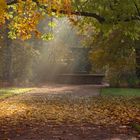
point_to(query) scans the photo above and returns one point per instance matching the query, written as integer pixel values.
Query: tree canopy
(110, 26)
(23, 16)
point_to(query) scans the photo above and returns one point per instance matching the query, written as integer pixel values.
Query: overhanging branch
(10, 2)
(85, 14)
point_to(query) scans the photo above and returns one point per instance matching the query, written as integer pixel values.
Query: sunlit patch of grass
(129, 92)
(8, 92)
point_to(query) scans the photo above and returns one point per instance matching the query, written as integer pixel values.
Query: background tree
(116, 55)
(113, 33)
(104, 16)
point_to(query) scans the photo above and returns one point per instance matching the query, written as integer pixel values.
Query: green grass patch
(136, 127)
(120, 92)
(8, 92)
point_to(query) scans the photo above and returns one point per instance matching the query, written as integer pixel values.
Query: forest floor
(68, 112)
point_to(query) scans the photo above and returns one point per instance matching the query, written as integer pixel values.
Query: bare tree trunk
(7, 72)
(138, 62)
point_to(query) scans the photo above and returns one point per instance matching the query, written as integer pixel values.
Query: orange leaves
(57, 6)
(26, 16)
(41, 109)
(67, 6)
(24, 24)
(102, 110)
(3, 7)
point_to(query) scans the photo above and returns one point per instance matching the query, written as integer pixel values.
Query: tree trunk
(7, 72)
(138, 62)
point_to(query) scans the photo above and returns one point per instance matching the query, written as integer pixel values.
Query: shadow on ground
(66, 112)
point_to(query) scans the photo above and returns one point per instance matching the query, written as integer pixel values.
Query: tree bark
(138, 62)
(7, 70)
(98, 17)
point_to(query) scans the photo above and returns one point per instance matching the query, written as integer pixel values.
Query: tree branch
(136, 7)
(10, 2)
(86, 14)
(78, 13)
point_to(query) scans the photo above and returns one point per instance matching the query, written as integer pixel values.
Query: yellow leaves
(28, 15)
(57, 6)
(8, 109)
(34, 111)
(104, 110)
(3, 7)
(24, 24)
(3, 4)
(24, 16)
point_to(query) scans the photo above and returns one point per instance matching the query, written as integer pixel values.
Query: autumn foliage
(24, 16)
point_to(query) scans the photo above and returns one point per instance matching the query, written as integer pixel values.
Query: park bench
(96, 79)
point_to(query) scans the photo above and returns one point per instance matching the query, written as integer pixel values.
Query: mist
(56, 56)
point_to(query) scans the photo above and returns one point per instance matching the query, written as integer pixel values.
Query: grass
(120, 92)
(136, 127)
(8, 92)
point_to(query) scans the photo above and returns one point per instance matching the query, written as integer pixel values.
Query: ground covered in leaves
(50, 116)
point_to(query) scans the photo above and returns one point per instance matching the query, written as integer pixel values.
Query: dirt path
(18, 127)
(76, 132)
(59, 90)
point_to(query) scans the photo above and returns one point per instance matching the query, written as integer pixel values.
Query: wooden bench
(80, 78)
